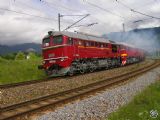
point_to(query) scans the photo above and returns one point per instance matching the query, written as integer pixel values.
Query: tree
(20, 56)
(10, 56)
(2, 59)
(32, 56)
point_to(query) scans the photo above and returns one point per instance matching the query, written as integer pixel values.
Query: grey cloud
(17, 28)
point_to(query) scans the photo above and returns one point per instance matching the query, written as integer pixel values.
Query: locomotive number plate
(52, 61)
(51, 55)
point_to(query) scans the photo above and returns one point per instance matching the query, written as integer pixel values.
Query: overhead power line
(144, 14)
(58, 5)
(108, 11)
(133, 10)
(9, 10)
(22, 13)
(88, 25)
(141, 20)
(72, 15)
(76, 22)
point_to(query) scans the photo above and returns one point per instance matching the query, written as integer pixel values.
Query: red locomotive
(68, 53)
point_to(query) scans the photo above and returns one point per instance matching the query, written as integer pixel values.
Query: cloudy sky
(23, 21)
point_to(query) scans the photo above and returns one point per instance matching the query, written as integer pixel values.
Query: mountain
(4, 49)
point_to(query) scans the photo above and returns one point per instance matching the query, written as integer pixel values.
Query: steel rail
(16, 110)
(30, 82)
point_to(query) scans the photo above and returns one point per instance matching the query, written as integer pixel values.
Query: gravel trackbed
(102, 104)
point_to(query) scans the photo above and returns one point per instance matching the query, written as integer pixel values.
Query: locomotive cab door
(75, 48)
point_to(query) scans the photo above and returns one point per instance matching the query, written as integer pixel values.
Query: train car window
(119, 47)
(96, 44)
(87, 44)
(70, 41)
(114, 48)
(75, 42)
(101, 45)
(106, 45)
(92, 43)
(83, 42)
(80, 42)
(57, 40)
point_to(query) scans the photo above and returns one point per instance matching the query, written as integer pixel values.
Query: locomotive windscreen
(57, 40)
(46, 41)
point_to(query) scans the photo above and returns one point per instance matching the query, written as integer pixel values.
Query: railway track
(16, 110)
(23, 83)
(11, 85)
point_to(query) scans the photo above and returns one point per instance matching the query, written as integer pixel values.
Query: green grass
(12, 71)
(140, 107)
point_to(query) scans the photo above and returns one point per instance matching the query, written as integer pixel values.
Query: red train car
(68, 53)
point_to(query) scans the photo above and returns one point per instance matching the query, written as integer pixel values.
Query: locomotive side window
(114, 48)
(97, 44)
(92, 43)
(101, 45)
(106, 45)
(75, 42)
(81, 43)
(57, 40)
(87, 43)
(70, 41)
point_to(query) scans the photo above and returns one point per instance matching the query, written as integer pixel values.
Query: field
(12, 71)
(145, 106)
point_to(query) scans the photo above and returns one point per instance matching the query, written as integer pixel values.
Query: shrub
(2, 59)
(10, 56)
(32, 56)
(20, 56)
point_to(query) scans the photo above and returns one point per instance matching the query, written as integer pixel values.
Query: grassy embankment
(12, 71)
(142, 106)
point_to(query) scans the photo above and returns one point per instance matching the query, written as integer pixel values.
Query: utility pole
(123, 28)
(123, 33)
(59, 22)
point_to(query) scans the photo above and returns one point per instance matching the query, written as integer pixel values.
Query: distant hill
(147, 38)
(4, 49)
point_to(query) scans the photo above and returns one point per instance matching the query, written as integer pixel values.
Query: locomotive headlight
(62, 59)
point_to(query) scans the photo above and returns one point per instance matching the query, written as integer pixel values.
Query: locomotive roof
(79, 36)
(126, 44)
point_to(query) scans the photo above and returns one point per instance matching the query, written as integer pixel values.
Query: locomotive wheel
(71, 71)
(92, 67)
(107, 67)
(83, 67)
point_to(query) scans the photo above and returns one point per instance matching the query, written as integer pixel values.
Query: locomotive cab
(56, 53)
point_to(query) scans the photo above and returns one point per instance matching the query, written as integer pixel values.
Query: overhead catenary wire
(144, 14)
(87, 25)
(76, 22)
(50, 4)
(36, 16)
(58, 5)
(141, 20)
(9, 10)
(108, 11)
(133, 10)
